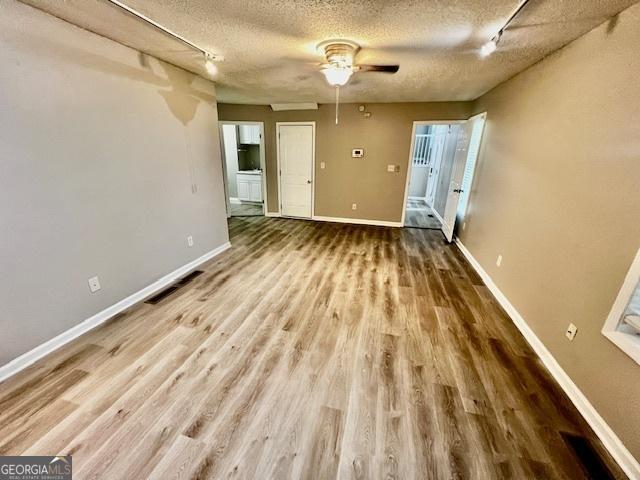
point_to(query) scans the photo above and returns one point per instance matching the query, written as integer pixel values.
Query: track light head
(490, 47)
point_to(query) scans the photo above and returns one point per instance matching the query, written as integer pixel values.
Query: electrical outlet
(571, 332)
(499, 260)
(354, 206)
(190, 241)
(322, 165)
(94, 284)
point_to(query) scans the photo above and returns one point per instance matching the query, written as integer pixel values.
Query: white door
(469, 169)
(457, 172)
(295, 154)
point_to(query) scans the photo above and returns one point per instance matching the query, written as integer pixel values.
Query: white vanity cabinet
(249, 186)
(249, 134)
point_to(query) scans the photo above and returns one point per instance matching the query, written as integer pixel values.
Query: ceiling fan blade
(378, 68)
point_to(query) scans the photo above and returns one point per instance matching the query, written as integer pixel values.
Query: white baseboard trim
(604, 432)
(30, 357)
(235, 201)
(357, 221)
(272, 214)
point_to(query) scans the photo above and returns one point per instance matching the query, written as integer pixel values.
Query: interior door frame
(313, 163)
(416, 124)
(263, 163)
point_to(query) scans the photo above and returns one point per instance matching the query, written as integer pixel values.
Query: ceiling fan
(340, 55)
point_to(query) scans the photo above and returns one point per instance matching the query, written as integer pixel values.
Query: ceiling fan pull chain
(337, 101)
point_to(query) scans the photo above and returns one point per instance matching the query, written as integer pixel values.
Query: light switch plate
(322, 165)
(94, 284)
(391, 168)
(190, 241)
(571, 332)
(499, 260)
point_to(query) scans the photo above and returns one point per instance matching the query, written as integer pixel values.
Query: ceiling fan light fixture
(337, 76)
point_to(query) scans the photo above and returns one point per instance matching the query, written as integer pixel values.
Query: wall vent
(590, 461)
(158, 297)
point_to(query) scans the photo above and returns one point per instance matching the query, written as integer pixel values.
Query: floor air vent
(589, 459)
(158, 297)
(186, 279)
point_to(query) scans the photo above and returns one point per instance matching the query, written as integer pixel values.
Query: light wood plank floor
(308, 350)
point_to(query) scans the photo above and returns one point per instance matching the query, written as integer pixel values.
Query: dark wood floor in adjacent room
(308, 350)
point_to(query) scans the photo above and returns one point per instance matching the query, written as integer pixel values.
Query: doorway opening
(433, 148)
(440, 176)
(243, 164)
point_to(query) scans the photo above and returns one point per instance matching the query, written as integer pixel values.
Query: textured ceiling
(269, 45)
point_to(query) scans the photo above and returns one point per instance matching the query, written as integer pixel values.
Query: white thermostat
(357, 152)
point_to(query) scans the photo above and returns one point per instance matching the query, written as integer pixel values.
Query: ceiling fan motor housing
(340, 52)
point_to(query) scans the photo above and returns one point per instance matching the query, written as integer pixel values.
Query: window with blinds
(623, 323)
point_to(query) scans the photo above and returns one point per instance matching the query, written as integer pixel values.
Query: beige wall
(556, 193)
(385, 137)
(99, 148)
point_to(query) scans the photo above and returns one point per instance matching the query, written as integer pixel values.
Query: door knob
(308, 181)
(457, 190)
